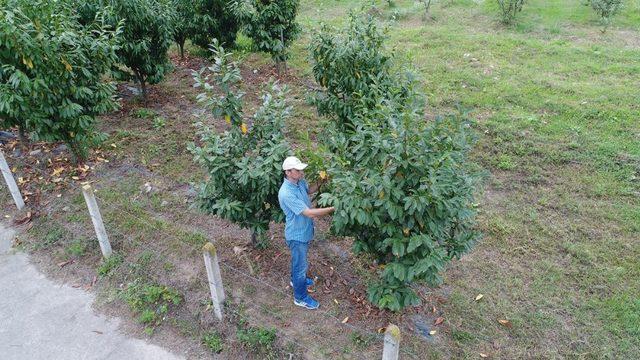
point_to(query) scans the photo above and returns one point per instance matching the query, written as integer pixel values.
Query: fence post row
(215, 278)
(11, 183)
(391, 343)
(96, 218)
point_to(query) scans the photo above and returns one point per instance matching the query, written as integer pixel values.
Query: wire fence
(130, 216)
(133, 218)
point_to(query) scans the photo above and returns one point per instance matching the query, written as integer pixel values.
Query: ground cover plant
(555, 273)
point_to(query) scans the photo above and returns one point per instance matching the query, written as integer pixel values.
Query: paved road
(40, 319)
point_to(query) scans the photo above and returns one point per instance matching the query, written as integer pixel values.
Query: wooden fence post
(11, 183)
(96, 218)
(391, 343)
(215, 278)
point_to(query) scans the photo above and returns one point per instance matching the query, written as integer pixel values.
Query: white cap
(293, 162)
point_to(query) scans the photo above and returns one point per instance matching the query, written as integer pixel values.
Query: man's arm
(315, 213)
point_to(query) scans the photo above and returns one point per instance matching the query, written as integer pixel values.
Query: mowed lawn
(557, 105)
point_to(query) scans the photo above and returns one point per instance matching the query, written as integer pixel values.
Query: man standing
(298, 231)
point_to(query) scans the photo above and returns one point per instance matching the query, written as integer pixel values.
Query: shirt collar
(290, 183)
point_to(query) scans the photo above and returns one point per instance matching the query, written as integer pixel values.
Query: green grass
(257, 339)
(213, 341)
(110, 264)
(150, 301)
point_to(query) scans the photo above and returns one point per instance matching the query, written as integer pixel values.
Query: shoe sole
(305, 305)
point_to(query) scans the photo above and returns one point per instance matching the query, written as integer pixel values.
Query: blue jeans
(299, 267)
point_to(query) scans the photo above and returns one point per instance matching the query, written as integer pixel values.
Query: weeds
(213, 341)
(109, 264)
(257, 339)
(151, 301)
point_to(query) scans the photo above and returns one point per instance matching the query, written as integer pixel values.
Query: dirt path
(41, 319)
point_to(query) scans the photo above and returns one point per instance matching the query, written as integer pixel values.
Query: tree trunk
(24, 140)
(181, 47)
(254, 238)
(78, 155)
(143, 87)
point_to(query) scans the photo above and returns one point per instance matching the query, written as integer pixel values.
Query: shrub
(243, 164)
(183, 24)
(353, 70)
(214, 20)
(147, 36)
(405, 194)
(402, 187)
(509, 9)
(606, 9)
(271, 25)
(51, 77)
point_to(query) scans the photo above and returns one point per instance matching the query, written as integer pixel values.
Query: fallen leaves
(345, 320)
(57, 171)
(23, 219)
(438, 321)
(432, 332)
(483, 355)
(478, 297)
(505, 323)
(65, 263)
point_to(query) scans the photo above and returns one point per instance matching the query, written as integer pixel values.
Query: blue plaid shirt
(294, 199)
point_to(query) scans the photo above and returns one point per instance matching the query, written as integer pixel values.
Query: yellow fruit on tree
(244, 128)
(227, 118)
(323, 174)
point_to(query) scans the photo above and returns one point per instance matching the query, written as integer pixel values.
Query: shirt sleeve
(294, 204)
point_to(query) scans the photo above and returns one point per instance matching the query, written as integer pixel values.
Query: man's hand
(315, 213)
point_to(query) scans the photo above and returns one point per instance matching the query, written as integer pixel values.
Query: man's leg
(299, 268)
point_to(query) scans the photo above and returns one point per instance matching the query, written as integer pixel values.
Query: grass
(213, 341)
(110, 264)
(150, 301)
(257, 339)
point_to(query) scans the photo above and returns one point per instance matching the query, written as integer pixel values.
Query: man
(298, 231)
